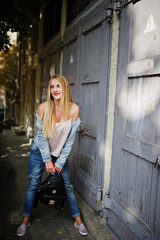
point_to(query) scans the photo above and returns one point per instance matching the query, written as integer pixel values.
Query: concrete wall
(111, 101)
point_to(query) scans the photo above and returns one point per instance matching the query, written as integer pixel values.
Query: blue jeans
(36, 167)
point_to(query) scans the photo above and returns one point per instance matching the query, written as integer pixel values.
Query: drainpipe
(111, 100)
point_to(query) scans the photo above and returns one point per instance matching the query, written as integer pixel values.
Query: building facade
(109, 51)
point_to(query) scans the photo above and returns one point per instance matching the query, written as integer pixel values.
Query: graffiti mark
(71, 59)
(141, 207)
(150, 25)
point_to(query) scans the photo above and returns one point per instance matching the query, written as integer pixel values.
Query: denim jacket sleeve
(41, 142)
(68, 145)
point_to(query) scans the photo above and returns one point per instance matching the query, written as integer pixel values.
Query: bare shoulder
(41, 108)
(74, 108)
(74, 111)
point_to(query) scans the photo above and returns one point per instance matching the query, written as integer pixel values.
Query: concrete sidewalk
(46, 221)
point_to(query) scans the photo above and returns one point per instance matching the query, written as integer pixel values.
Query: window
(74, 7)
(52, 20)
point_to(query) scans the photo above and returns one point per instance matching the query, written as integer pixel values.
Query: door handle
(157, 163)
(80, 129)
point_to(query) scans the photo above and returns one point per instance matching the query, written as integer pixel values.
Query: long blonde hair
(49, 115)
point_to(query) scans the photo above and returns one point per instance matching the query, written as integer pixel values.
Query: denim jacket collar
(43, 143)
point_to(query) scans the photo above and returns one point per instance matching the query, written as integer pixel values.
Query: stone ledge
(95, 224)
(18, 130)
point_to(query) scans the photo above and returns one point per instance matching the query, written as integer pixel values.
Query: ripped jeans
(36, 167)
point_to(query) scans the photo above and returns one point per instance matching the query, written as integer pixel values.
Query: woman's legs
(70, 197)
(71, 200)
(36, 166)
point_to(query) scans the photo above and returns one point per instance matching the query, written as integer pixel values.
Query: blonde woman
(57, 122)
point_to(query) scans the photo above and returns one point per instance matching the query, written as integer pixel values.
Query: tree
(8, 68)
(17, 16)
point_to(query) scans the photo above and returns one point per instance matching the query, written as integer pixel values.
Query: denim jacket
(43, 143)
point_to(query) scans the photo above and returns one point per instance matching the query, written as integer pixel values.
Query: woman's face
(55, 89)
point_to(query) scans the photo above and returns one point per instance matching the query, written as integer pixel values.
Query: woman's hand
(50, 167)
(58, 169)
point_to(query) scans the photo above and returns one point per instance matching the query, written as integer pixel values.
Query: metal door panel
(135, 185)
(71, 70)
(145, 29)
(94, 18)
(94, 46)
(50, 57)
(54, 63)
(88, 41)
(134, 188)
(121, 229)
(54, 56)
(141, 114)
(90, 93)
(92, 60)
(157, 219)
(86, 180)
(144, 67)
(70, 58)
(141, 148)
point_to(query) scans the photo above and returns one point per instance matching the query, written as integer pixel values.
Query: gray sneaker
(22, 229)
(81, 228)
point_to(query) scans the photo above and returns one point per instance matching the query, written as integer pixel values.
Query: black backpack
(51, 192)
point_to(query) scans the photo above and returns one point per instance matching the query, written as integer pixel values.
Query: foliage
(17, 16)
(8, 68)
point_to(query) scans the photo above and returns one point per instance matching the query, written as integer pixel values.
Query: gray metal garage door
(86, 54)
(133, 202)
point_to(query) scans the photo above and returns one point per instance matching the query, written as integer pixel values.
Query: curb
(19, 130)
(95, 224)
